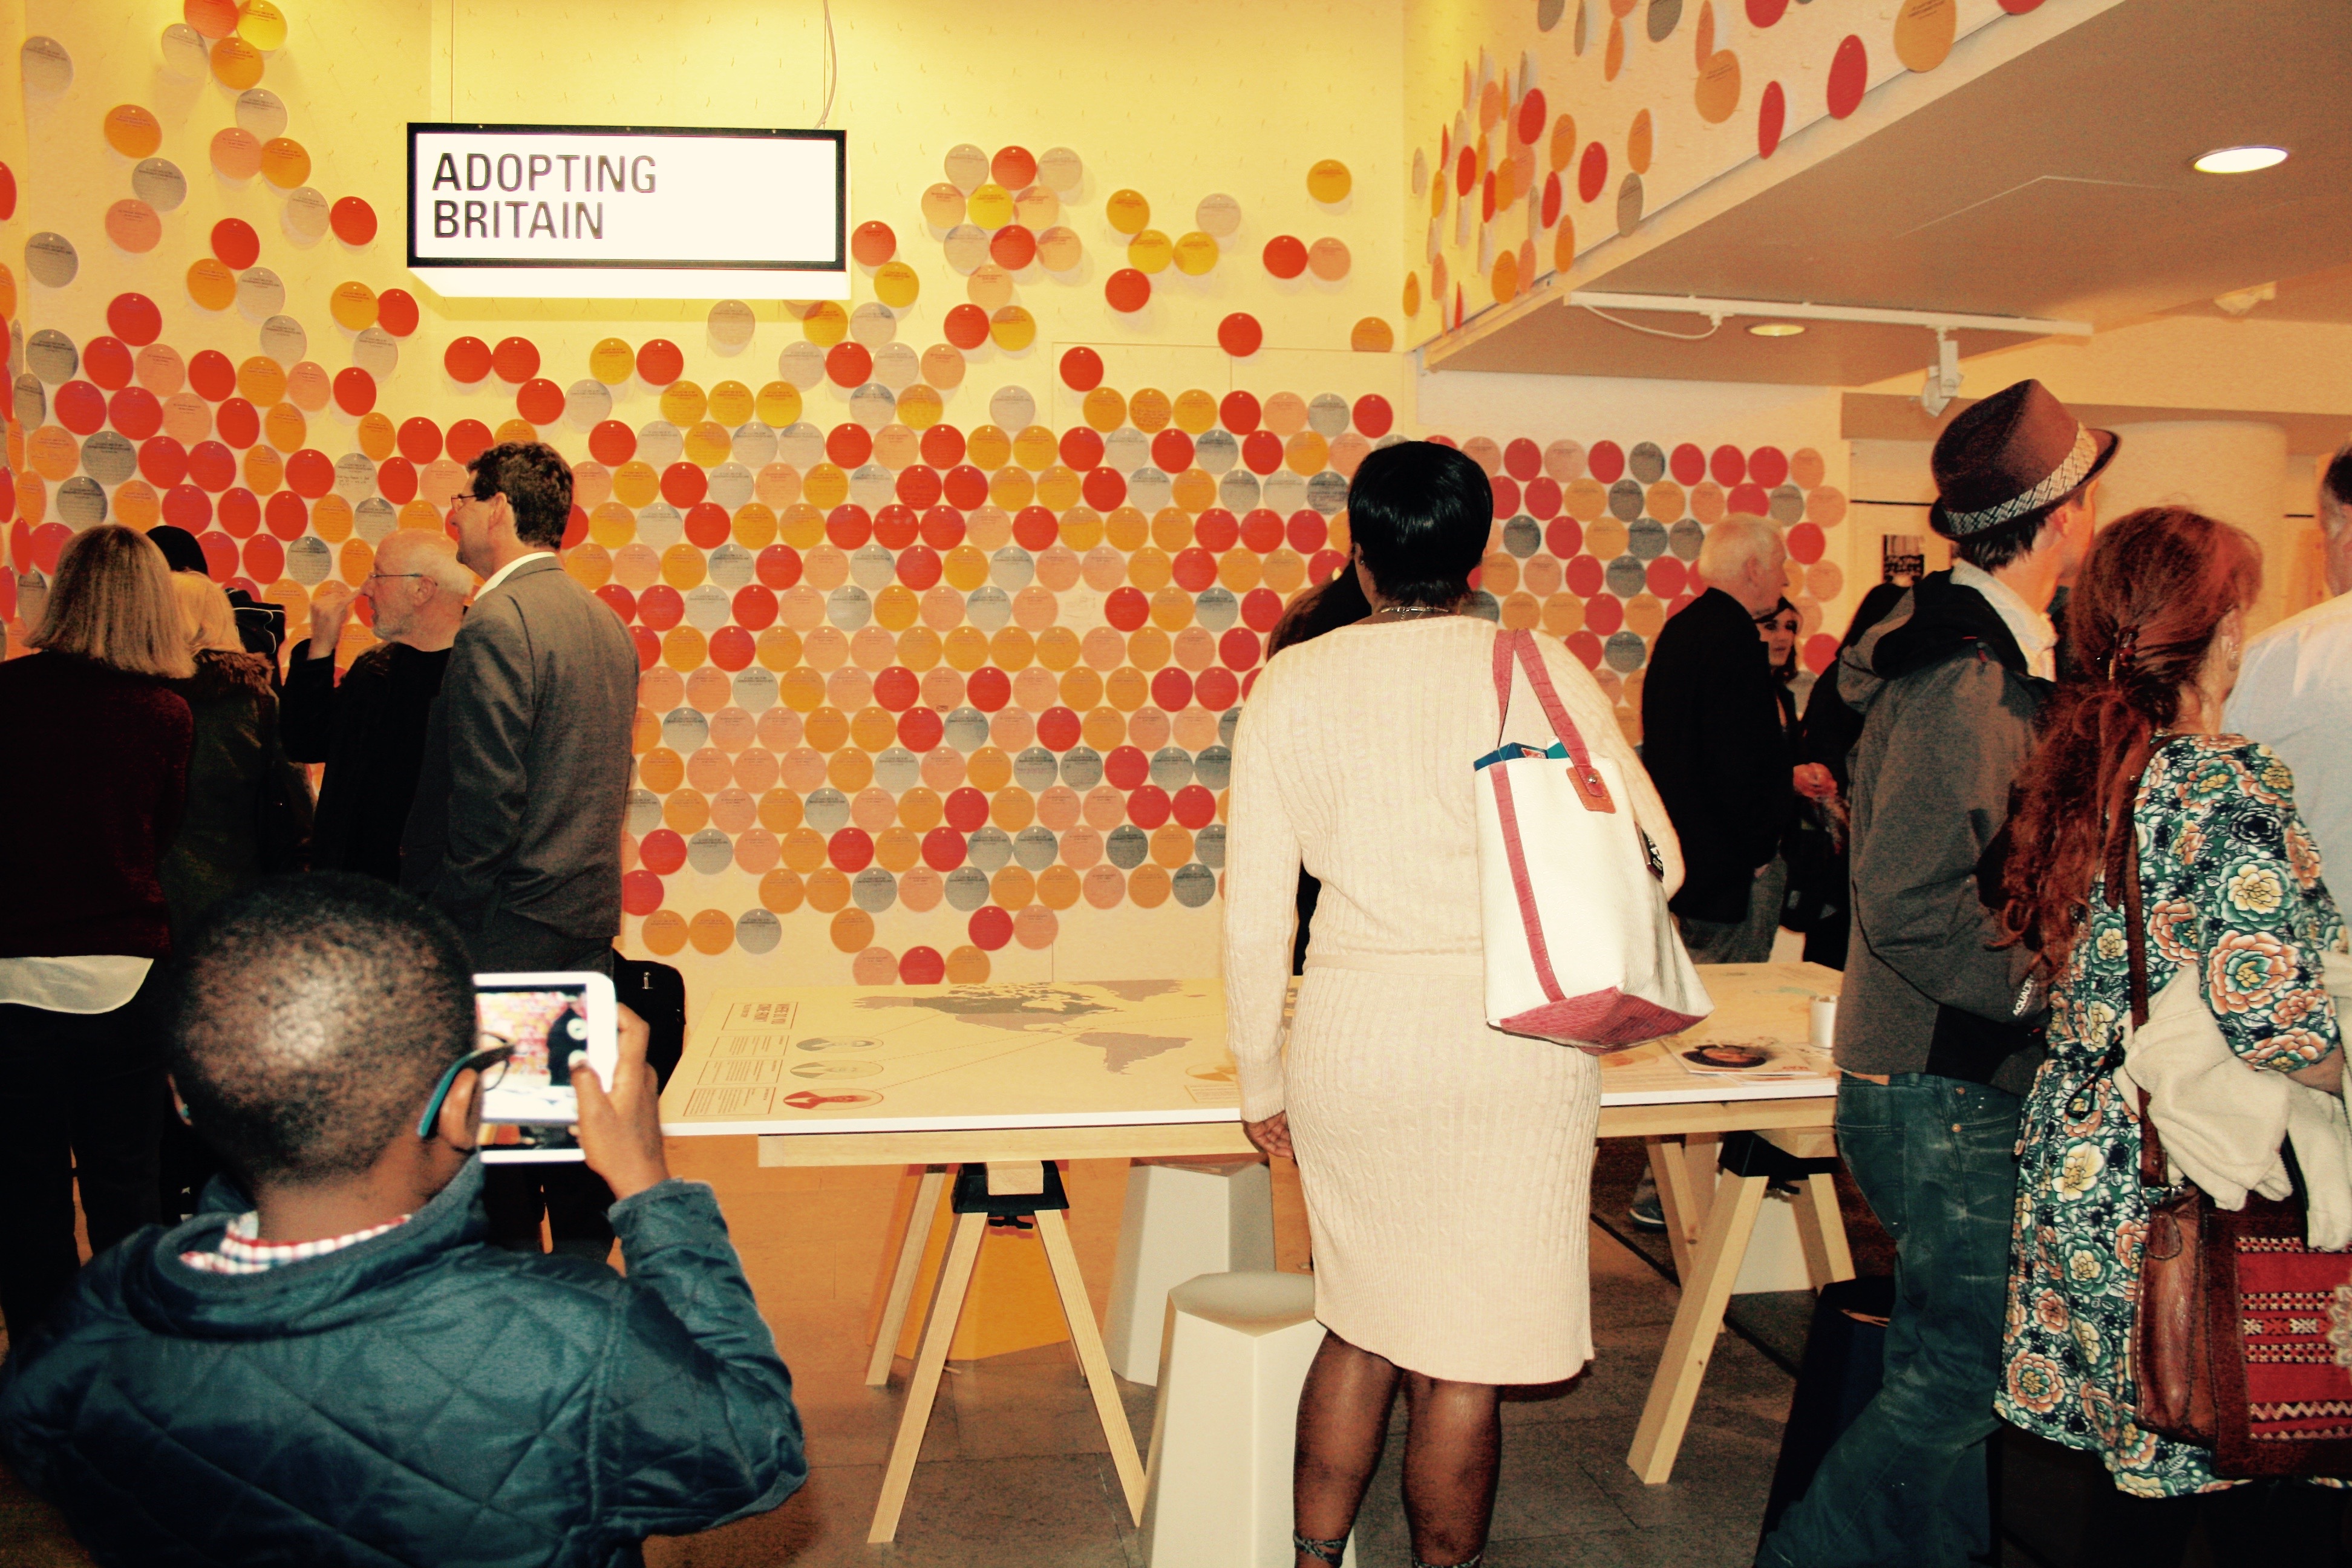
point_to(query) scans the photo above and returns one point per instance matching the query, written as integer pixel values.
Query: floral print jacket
(2231, 889)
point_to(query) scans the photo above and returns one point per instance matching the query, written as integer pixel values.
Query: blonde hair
(206, 612)
(112, 603)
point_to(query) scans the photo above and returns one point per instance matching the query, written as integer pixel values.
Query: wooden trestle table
(1012, 1076)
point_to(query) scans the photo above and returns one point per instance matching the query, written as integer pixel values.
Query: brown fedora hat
(2016, 453)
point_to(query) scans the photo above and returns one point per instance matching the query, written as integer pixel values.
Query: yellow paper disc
(1329, 182)
(261, 381)
(1127, 212)
(352, 304)
(990, 206)
(1196, 253)
(920, 407)
(262, 25)
(237, 64)
(1563, 143)
(1105, 409)
(1148, 410)
(132, 131)
(896, 285)
(1923, 33)
(1195, 411)
(683, 402)
(826, 323)
(285, 163)
(778, 404)
(376, 434)
(612, 361)
(1014, 328)
(1149, 251)
(731, 403)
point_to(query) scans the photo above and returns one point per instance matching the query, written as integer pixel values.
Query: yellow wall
(1177, 103)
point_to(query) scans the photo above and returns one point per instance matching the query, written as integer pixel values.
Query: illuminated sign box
(628, 212)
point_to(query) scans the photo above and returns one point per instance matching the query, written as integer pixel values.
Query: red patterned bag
(2243, 1340)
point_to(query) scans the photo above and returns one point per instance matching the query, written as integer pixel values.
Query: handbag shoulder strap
(1589, 785)
(2152, 1163)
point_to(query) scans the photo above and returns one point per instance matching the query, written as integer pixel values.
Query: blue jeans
(1907, 1483)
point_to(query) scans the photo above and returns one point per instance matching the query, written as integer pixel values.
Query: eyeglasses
(389, 577)
(491, 1063)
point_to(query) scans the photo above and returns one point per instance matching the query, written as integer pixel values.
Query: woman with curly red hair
(2131, 774)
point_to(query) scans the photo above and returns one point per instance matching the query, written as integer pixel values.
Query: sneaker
(1645, 1211)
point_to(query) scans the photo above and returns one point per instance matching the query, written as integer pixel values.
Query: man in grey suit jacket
(515, 831)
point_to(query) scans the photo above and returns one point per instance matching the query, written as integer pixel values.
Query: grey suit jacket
(526, 777)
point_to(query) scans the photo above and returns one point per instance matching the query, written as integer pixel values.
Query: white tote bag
(1581, 950)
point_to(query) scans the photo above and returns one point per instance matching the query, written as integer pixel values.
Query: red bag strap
(1590, 784)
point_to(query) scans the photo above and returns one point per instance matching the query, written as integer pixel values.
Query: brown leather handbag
(2242, 1340)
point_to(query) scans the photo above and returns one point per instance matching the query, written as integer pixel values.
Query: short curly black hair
(310, 1018)
(537, 483)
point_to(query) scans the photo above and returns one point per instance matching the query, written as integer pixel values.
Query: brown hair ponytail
(2153, 591)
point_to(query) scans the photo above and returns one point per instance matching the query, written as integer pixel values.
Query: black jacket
(248, 807)
(368, 729)
(1712, 740)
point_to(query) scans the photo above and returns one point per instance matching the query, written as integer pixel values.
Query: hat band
(2065, 477)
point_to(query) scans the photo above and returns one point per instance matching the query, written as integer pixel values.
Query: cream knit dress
(1446, 1165)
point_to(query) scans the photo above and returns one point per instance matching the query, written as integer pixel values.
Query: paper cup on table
(1823, 1033)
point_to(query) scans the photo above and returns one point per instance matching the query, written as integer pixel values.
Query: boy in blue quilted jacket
(338, 1369)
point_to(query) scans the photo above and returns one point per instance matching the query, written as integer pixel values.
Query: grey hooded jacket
(1948, 719)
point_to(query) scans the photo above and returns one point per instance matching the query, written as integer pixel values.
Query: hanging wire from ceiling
(831, 75)
(1714, 325)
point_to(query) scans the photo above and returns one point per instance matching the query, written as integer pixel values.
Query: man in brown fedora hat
(1938, 1031)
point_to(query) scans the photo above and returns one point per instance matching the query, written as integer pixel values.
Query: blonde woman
(91, 798)
(249, 808)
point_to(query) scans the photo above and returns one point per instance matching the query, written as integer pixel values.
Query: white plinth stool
(1232, 1361)
(1183, 1218)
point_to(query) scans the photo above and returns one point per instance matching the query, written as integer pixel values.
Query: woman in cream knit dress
(1445, 1164)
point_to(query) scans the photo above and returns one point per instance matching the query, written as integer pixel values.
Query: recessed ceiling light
(2240, 160)
(1777, 329)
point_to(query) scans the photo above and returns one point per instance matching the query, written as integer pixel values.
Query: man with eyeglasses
(515, 831)
(369, 726)
(328, 1366)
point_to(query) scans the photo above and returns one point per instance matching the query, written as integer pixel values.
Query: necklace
(1413, 610)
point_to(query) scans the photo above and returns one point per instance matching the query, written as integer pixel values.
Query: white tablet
(528, 1104)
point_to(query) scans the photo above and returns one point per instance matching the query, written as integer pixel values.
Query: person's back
(1371, 729)
(2295, 686)
(113, 808)
(241, 788)
(516, 830)
(1711, 739)
(348, 1374)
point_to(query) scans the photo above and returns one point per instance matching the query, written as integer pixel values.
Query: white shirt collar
(2037, 639)
(503, 573)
